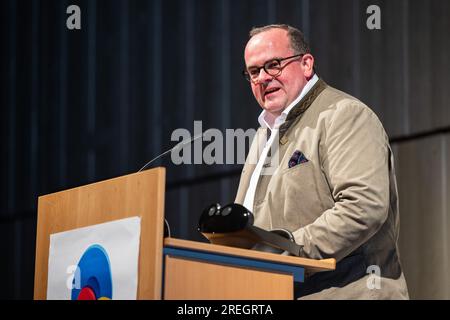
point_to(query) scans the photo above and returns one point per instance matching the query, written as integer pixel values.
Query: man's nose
(263, 77)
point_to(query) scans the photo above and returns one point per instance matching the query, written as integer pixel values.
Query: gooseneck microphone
(178, 146)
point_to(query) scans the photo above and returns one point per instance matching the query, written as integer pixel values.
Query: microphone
(178, 146)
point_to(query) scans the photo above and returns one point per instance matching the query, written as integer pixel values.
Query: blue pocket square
(297, 158)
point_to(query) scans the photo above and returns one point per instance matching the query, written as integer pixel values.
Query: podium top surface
(310, 264)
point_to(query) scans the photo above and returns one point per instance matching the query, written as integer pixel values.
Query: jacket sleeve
(355, 161)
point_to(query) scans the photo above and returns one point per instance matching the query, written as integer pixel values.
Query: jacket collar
(302, 106)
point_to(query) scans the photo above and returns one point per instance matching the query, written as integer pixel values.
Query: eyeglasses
(272, 67)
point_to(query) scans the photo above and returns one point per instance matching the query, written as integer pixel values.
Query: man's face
(274, 94)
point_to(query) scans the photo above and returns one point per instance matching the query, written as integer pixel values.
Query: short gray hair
(296, 37)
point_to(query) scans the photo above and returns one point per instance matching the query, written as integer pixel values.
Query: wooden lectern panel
(196, 270)
(139, 194)
(195, 280)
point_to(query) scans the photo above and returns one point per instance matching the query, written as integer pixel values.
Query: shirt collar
(282, 117)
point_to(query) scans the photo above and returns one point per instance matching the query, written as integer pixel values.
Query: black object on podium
(232, 225)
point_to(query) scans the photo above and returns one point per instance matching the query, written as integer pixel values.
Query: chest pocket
(299, 192)
(300, 178)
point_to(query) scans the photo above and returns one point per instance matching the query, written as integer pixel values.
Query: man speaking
(334, 184)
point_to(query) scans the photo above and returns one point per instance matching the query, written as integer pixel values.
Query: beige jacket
(341, 203)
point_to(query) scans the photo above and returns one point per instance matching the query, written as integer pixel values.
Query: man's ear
(308, 65)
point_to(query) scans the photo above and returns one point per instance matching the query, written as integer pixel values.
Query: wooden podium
(139, 194)
(167, 268)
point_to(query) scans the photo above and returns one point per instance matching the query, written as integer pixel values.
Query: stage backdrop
(79, 106)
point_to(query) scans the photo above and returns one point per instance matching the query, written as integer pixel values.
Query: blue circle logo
(94, 275)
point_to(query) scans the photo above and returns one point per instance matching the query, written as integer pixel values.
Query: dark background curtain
(79, 106)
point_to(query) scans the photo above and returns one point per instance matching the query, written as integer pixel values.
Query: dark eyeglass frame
(266, 66)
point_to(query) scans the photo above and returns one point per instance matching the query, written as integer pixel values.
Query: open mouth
(270, 91)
